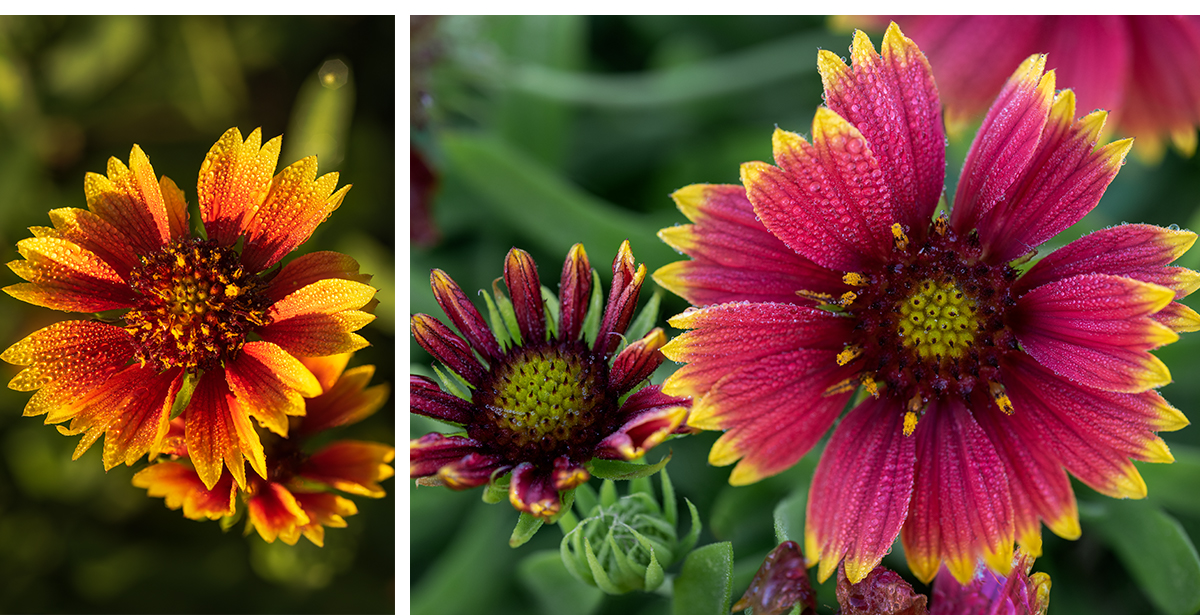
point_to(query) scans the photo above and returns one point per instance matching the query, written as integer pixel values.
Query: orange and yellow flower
(297, 495)
(201, 327)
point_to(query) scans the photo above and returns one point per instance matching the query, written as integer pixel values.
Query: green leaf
(527, 526)
(496, 491)
(1174, 486)
(646, 319)
(184, 396)
(1154, 548)
(705, 583)
(591, 320)
(613, 469)
(654, 572)
(598, 573)
(551, 304)
(689, 541)
(499, 329)
(789, 516)
(509, 316)
(553, 587)
(454, 384)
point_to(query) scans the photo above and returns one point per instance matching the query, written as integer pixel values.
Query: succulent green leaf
(527, 526)
(705, 583)
(613, 469)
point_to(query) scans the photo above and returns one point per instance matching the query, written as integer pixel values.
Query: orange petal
(181, 487)
(273, 511)
(352, 466)
(234, 180)
(296, 204)
(65, 276)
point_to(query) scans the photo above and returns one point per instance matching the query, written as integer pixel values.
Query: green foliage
(705, 584)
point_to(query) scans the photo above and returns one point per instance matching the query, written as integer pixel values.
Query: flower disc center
(938, 320)
(198, 305)
(546, 399)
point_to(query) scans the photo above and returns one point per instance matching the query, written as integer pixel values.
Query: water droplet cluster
(545, 401)
(198, 306)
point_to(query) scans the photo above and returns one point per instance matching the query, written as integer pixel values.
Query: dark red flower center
(198, 306)
(931, 323)
(544, 401)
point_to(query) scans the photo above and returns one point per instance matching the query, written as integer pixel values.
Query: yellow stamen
(847, 298)
(899, 237)
(855, 279)
(848, 354)
(910, 423)
(869, 384)
(941, 224)
(1002, 400)
(822, 298)
(844, 386)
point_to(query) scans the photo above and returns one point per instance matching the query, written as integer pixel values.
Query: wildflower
(540, 394)
(298, 495)
(187, 326)
(1144, 68)
(991, 594)
(780, 583)
(981, 382)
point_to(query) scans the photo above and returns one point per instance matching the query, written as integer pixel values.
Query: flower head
(298, 495)
(982, 381)
(200, 327)
(1144, 68)
(546, 389)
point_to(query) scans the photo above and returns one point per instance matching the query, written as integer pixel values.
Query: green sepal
(693, 534)
(184, 396)
(496, 491)
(591, 321)
(566, 500)
(646, 319)
(507, 314)
(642, 485)
(654, 575)
(552, 311)
(527, 526)
(453, 384)
(670, 508)
(231, 520)
(573, 538)
(614, 469)
(598, 573)
(498, 327)
(586, 500)
(608, 493)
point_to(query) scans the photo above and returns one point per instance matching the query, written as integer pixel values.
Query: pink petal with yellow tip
(723, 338)
(68, 351)
(735, 257)
(433, 450)
(636, 362)
(320, 319)
(1095, 330)
(860, 491)
(234, 180)
(1036, 394)
(1004, 146)
(961, 509)
(622, 299)
(574, 292)
(533, 492)
(828, 201)
(891, 98)
(773, 410)
(270, 385)
(650, 417)
(350, 400)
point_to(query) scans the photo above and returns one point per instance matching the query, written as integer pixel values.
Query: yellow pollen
(822, 298)
(938, 320)
(941, 225)
(1001, 397)
(899, 237)
(848, 354)
(847, 298)
(855, 279)
(232, 290)
(869, 384)
(910, 423)
(844, 386)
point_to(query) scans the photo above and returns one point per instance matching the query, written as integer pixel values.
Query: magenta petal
(622, 299)
(1037, 396)
(1138, 251)
(636, 362)
(431, 451)
(961, 508)
(735, 257)
(1095, 330)
(1164, 93)
(445, 346)
(574, 291)
(532, 491)
(521, 277)
(774, 410)
(428, 399)
(861, 490)
(1004, 145)
(464, 315)
(891, 98)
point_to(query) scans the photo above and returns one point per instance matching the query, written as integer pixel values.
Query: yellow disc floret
(938, 320)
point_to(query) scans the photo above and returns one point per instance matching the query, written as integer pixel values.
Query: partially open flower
(545, 390)
(623, 545)
(780, 583)
(299, 495)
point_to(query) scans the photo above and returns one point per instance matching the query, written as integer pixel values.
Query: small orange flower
(296, 495)
(204, 328)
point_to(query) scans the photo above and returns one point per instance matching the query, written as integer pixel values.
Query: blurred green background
(75, 91)
(546, 131)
